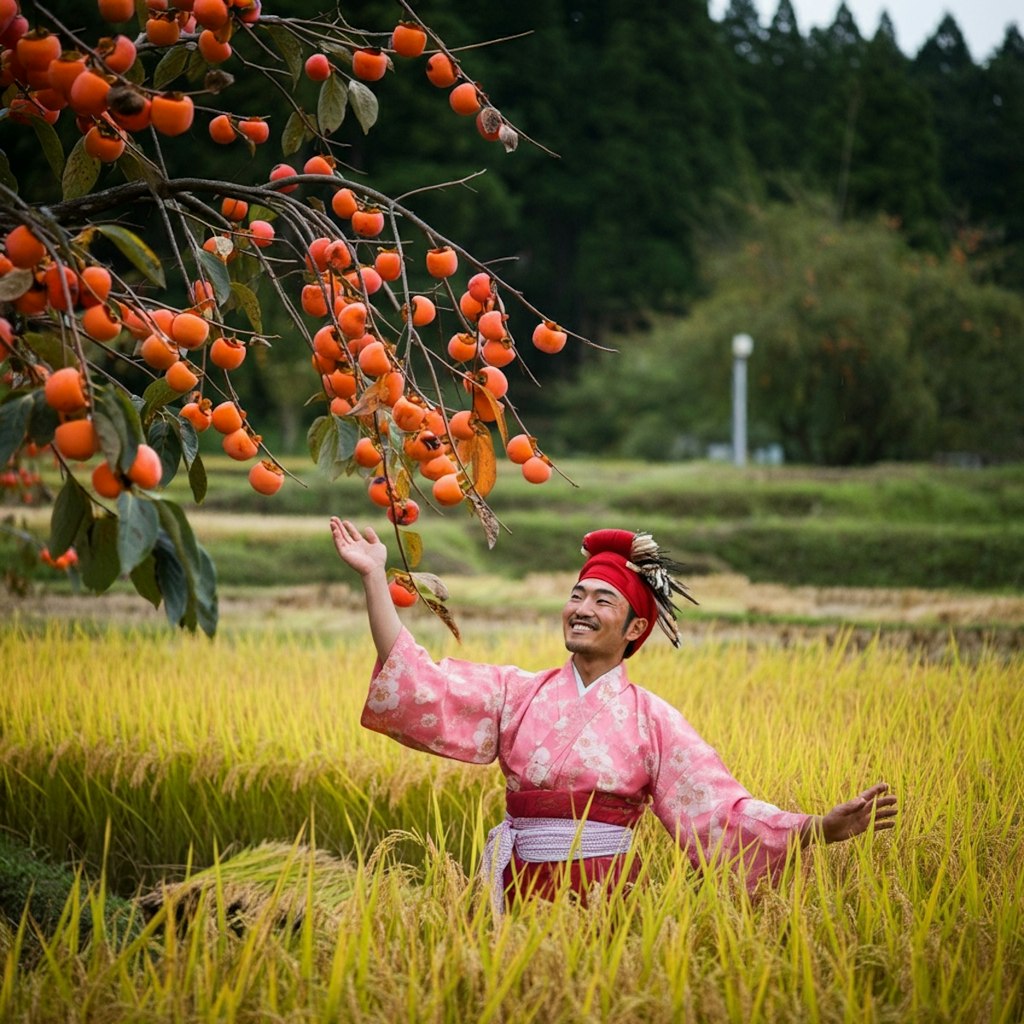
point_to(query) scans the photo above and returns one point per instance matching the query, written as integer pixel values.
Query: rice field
(280, 863)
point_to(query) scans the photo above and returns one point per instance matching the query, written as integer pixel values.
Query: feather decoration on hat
(657, 570)
(653, 565)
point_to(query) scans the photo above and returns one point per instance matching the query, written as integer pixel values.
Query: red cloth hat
(609, 552)
(644, 574)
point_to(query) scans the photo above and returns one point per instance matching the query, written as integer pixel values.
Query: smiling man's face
(596, 621)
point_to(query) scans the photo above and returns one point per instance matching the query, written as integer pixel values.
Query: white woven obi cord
(537, 840)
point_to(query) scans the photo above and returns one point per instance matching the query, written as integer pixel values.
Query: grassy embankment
(887, 526)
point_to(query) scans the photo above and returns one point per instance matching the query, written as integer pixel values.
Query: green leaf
(171, 65)
(15, 283)
(50, 348)
(113, 435)
(176, 525)
(98, 560)
(14, 417)
(348, 436)
(7, 177)
(342, 53)
(189, 442)
(137, 531)
(70, 511)
(49, 142)
(136, 74)
(331, 444)
(245, 297)
(217, 271)
(364, 103)
(318, 431)
(246, 268)
(43, 421)
(171, 579)
(132, 406)
(196, 67)
(164, 440)
(412, 545)
(190, 589)
(80, 172)
(257, 212)
(197, 479)
(131, 167)
(327, 449)
(143, 576)
(188, 620)
(207, 605)
(155, 397)
(119, 427)
(331, 105)
(288, 46)
(294, 134)
(135, 250)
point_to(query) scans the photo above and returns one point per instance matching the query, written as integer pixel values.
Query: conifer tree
(893, 161)
(946, 70)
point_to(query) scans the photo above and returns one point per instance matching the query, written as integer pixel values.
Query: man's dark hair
(630, 616)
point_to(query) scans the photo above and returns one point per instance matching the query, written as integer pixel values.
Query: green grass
(893, 525)
(888, 526)
(840, 552)
(911, 493)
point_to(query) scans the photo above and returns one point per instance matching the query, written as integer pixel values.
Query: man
(583, 750)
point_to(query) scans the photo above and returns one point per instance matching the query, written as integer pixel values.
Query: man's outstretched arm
(365, 553)
(875, 807)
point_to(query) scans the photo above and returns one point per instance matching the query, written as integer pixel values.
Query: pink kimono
(608, 754)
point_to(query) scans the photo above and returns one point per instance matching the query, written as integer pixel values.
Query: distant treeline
(669, 124)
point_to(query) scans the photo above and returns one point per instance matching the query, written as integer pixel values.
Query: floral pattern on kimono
(617, 740)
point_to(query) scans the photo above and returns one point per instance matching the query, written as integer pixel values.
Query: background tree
(864, 350)
(786, 86)
(837, 54)
(893, 164)
(999, 168)
(946, 70)
(744, 45)
(970, 338)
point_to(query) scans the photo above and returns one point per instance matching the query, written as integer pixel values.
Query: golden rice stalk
(262, 884)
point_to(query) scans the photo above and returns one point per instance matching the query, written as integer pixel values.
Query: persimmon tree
(391, 311)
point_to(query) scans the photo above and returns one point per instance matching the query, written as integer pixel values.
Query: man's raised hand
(364, 552)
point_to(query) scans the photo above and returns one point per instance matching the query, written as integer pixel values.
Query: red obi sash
(547, 878)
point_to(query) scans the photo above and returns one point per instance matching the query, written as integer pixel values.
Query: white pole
(742, 346)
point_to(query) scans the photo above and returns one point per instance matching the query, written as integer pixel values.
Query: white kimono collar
(582, 689)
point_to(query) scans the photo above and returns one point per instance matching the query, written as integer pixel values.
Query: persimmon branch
(271, 196)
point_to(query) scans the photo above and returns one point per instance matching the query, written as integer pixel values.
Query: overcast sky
(983, 22)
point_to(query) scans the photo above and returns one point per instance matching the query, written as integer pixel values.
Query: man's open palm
(363, 553)
(875, 806)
